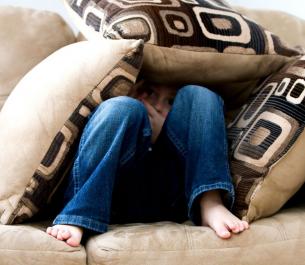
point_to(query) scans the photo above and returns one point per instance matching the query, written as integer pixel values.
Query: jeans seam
(76, 175)
(76, 169)
(225, 144)
(176, 142)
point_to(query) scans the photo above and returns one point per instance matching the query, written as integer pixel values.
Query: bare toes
(233, 226)
(49, 230)
(245, 224)
(65, 234)
(241, 227)
(73, 241)
(59, 235)
(222, 231)
(54, 232)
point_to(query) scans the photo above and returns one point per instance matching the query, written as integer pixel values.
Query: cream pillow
(44, 116)
(268, 144)
(27, 36)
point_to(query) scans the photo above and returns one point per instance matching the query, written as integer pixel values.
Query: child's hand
(155, 118)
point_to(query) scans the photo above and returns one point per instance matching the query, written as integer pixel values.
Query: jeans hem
(81, 221)
(203, 188)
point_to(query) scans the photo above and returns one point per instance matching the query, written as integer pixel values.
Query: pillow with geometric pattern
(43, 117)
(190, 41)
(268, 144)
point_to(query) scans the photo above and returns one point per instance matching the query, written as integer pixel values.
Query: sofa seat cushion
(29, 244)
(169, 243)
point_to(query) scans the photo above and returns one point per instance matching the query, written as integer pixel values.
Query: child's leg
(196, 126)
(116, 133)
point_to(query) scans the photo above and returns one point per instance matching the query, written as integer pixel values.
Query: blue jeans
(118, 176)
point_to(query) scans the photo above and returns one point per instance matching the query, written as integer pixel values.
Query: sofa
(275, 239)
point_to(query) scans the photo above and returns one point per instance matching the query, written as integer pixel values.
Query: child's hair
(143, 85)
(138, 88)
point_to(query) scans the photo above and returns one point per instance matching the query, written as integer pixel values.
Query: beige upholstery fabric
(203, 42)
(268, 143)
(27, 36)
(44, 116)
(29, 244)
(275, 240)
(289, 28)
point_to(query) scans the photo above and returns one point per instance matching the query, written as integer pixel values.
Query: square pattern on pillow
(268, 143)
(204, 42)
(45, 114)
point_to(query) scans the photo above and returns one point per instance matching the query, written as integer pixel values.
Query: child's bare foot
(69, 233)
(218, 217)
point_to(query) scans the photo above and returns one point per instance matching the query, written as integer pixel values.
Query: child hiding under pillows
(160, 155)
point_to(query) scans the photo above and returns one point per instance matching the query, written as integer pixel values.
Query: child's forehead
(163, 87)
(165, 90)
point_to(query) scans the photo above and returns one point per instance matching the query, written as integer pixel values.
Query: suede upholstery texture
(29, 244)
(275, 240)
(27, 36)
(278, 239)
(283, 29)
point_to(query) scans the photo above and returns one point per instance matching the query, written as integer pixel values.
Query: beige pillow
(203, 42)
(44, 116)
(27, 36)
(268, 144)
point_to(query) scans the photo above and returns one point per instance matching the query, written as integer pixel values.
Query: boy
(159, 157)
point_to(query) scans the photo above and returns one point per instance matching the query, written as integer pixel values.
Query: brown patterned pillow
(27, 36)
(42, 119)
(190, 41)
(268, 144)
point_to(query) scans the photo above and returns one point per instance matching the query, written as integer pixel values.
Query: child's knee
(122, 106)
(199, 93)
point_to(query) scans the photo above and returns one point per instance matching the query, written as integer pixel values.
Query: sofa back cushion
(43, 117)
(291, 29)
(203, 42)
(27, 37)
(268, 143)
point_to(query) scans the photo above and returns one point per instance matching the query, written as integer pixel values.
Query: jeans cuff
(194, 212)
(81, 221)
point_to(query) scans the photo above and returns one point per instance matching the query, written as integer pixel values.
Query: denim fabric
(118, 176)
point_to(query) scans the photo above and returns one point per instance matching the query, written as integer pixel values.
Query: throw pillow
(268, 143)
(204, 42)
(43, 117)
(27, 36)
